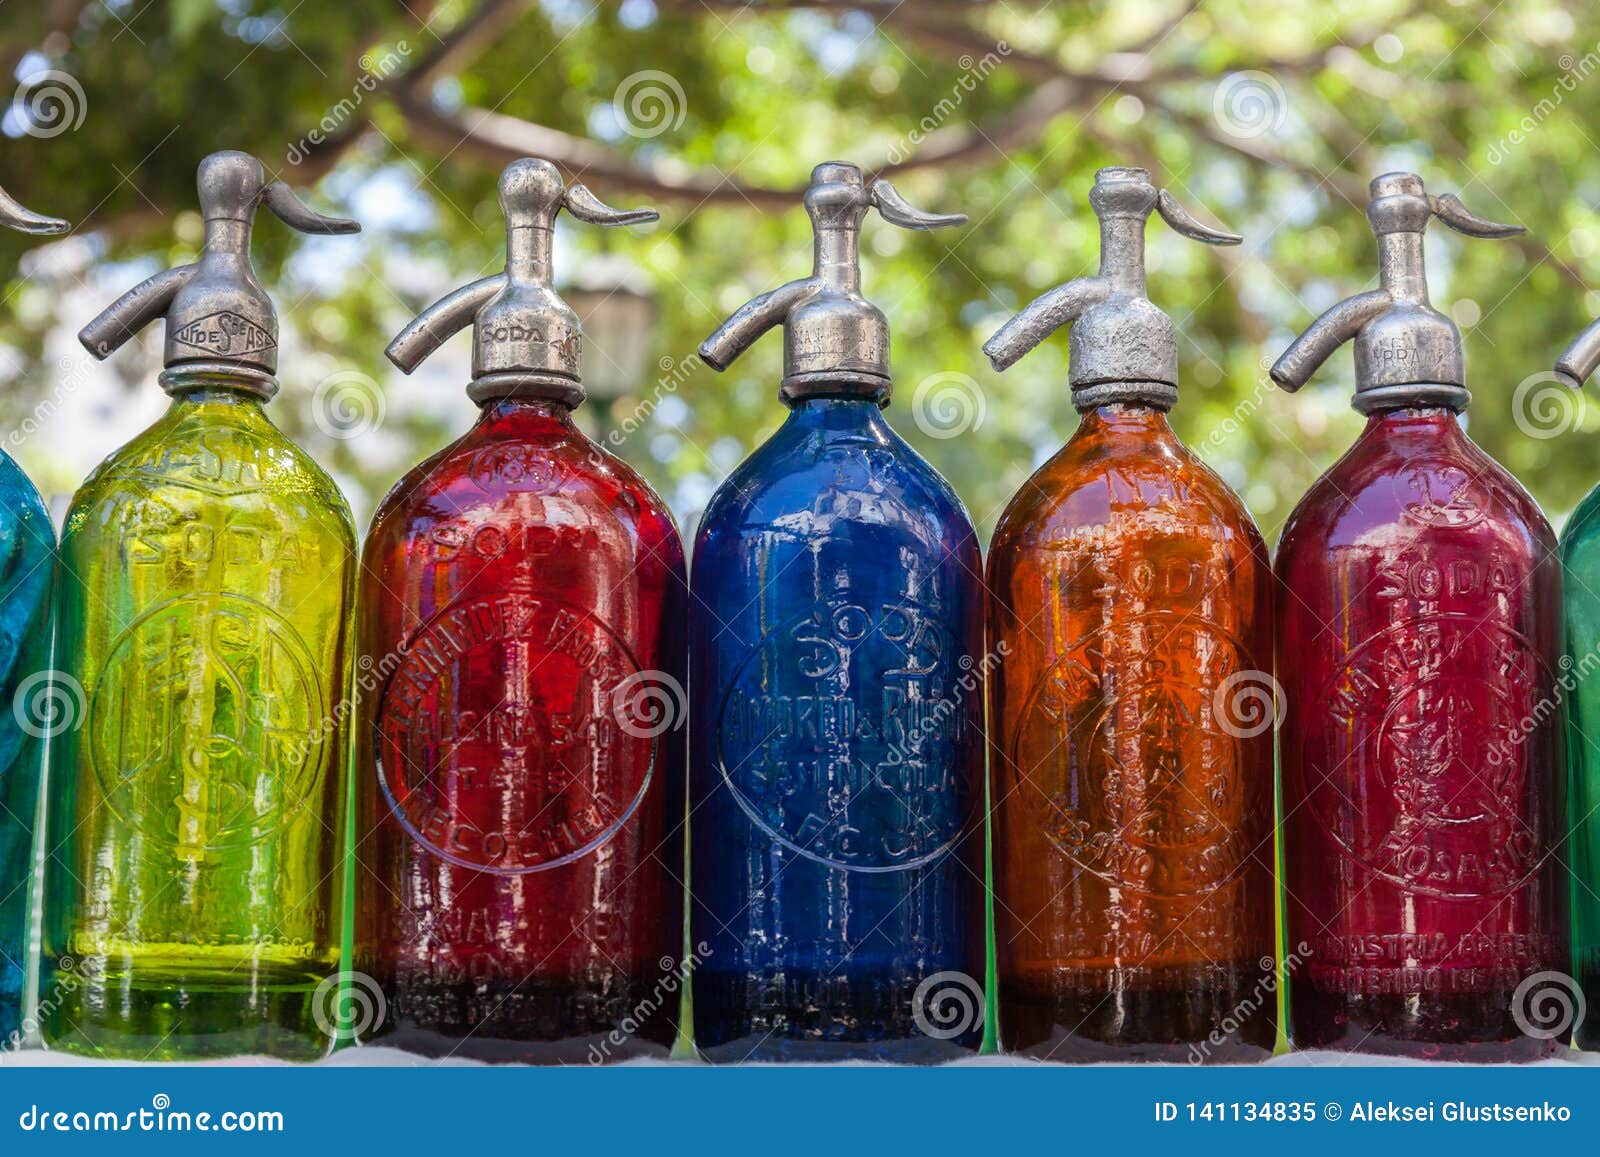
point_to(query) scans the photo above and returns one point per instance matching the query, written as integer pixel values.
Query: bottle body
(1580, 557)
(27, 564)
(521, 760)
(836, 775)
(1131, 742)
(1423, 777)
(196, 816)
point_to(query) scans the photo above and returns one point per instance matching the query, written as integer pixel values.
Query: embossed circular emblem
(842, 735)
(501, 743)
(1434, 492)
(1444, 813)
(205, 726)
(1127, 766)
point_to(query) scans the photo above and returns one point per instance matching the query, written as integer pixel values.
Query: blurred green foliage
(1267, 116)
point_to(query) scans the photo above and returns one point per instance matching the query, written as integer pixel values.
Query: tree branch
(455, 50)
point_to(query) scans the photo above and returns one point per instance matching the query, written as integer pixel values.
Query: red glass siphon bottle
(1418, 642)
(521, 770)
(1130, 719)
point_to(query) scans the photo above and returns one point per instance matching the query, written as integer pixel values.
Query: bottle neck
(1125, 420)
(211, 388)
(861, 393)
(1413, 422)
(522, 413)
(835, 412)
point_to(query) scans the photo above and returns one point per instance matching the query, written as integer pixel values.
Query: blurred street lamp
(617, 309)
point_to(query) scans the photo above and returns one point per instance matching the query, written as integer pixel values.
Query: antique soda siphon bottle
(27, 560)
(1418, 640)
(1580, 558)
(836, 744)
(521, 763)
(1132, 750)
(206, 576)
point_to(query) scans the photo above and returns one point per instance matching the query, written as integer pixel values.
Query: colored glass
(38, 708)
(521, 775)
(837, 772)
(1131, 742)
(1423, 782)
(206, 576)
(1580, 556)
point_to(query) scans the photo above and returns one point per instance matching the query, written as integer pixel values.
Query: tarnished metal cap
(219, 318)
(1122, 348)
(834, 339)
(1407, 353)
(526, 340)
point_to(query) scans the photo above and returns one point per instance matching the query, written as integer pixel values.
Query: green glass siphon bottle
(1580, 565)
(205, 584)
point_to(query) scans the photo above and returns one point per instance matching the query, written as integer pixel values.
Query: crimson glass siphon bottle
(521, 761)
(1418, 640)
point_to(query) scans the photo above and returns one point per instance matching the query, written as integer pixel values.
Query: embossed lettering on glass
(205, 586)
(1131, 714)
(1418, 641)
(521, 761)
(836, 838)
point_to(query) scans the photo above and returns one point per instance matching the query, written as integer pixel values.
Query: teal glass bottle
(27, 554)
(206, 583)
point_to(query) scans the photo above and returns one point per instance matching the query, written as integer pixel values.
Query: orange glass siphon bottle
(1131, 713)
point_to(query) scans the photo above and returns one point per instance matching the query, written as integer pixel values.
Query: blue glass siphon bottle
(837, 861)
(27, 554)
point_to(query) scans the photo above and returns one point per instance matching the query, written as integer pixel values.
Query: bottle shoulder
(815, 483)
(180, 465)
(491, 478)
(1165, 492)
(19, 497)
(1381, 496)
(1580, 538)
